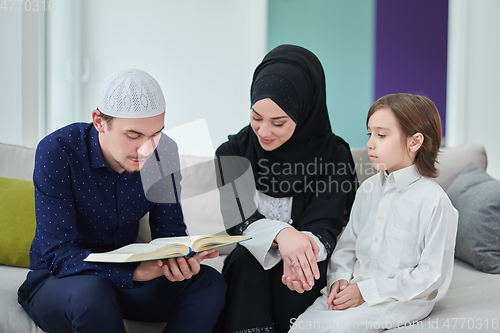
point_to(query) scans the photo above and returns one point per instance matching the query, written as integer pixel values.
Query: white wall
(10, 76)
(63, 65)
(473, 114)
(19, 83)
(202, 53)
(31, 83)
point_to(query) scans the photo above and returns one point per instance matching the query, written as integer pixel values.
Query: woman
(305, 183)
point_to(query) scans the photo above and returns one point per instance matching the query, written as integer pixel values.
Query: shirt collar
(96, 157)
(402, 177)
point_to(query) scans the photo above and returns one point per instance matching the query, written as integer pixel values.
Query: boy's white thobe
(398, 247)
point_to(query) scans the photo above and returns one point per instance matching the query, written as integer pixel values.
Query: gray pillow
(476, 196)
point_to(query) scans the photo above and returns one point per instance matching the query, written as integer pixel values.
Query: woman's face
(271, 124)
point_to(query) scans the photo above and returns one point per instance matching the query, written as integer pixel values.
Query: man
(89, 197)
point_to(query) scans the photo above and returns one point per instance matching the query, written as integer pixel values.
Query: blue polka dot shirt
(83, 206)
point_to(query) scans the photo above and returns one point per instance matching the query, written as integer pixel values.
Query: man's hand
(179, 269)
(148, 270)
(174, 269)
(300, 252)
(349, 297)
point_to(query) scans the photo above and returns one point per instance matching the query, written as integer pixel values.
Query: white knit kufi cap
(131, 93)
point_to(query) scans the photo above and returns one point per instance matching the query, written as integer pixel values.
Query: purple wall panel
(411, 49)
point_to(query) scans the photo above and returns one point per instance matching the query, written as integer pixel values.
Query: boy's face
(387, 147)
(127, 143)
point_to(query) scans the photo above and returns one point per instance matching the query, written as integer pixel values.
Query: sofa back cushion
(476, 196)
(364, 167)
(202, 211)
(16, 161)
(200, 197)
(451, 161)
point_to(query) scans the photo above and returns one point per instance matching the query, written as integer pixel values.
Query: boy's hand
(348, 298)
(337, 287)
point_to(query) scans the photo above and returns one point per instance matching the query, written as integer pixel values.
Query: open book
(166, 247)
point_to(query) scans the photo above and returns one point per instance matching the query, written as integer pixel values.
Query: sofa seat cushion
(470, 305)
(13, 318)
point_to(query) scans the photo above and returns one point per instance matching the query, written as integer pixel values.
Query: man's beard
(125, 169)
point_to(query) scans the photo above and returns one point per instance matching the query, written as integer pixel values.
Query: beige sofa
(472, 303)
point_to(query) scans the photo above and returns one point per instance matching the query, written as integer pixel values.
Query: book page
(135, 248)
(140, 252)
(165, 241)
(207, 242)
(122, 254)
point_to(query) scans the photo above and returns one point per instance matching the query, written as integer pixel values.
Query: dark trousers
(92, 305)
(257, 300)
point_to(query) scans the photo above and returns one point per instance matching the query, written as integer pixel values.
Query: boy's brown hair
(416, 114)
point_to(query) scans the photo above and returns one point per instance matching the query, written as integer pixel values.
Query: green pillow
(17, 221)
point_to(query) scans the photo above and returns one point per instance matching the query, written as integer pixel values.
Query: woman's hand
(300, 252)
(291, 280)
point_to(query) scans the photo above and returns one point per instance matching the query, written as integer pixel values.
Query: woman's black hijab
(293, 78)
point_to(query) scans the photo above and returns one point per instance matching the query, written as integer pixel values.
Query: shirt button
(380, 217)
